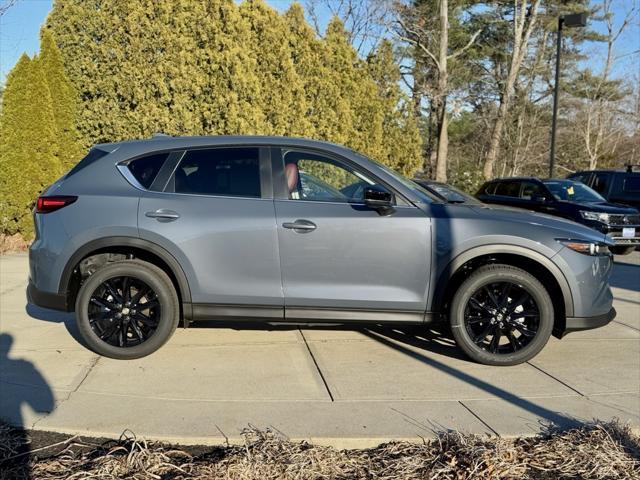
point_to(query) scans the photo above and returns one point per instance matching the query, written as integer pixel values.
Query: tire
(97, 309)
(618, 250)
(470, 317)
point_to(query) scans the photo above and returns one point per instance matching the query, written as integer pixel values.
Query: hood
(606, 207)
(564, 228)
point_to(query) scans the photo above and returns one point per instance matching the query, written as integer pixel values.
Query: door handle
(163, 215)
(300, 226)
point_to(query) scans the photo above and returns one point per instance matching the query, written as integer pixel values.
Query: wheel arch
(140, 248)
(534, 262)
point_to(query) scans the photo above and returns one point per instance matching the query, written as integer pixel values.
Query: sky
(20, 26)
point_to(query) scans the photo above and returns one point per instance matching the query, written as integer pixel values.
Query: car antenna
(630, 167)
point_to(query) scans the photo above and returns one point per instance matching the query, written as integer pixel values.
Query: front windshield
(572, 191)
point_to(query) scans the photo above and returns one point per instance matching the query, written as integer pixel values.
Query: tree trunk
(521, 37)
(496, 137)
(443, 145)
(443, 138)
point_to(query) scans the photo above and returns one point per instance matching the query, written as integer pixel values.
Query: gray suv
(142, 235)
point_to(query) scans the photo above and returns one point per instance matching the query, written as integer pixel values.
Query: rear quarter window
(145, 169)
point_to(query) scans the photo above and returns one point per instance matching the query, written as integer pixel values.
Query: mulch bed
(594, 451)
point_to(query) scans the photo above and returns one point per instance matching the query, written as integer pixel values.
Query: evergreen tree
(399, 143)
(27, 145)
(279, 94)
(215, 67)
(63, 102)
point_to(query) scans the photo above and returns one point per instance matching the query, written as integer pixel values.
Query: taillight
(53, 203)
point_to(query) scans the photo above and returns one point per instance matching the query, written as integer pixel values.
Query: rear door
(340, 259)
(214, 212)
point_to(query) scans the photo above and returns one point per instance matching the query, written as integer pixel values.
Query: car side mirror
(378, 198)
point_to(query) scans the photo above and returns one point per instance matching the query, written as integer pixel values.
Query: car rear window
(145, 169)
(219, 171)
(93, 155)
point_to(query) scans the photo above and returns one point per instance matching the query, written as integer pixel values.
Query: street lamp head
(574, 20)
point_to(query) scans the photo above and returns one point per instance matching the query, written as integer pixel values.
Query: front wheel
(501, 315)
(127, 309)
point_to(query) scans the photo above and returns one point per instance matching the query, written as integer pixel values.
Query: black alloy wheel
(124, 311)
(502, 317)
(127, 309)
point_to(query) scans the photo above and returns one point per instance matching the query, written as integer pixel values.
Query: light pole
(569, 21)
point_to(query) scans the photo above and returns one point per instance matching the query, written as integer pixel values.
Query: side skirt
(273, 314)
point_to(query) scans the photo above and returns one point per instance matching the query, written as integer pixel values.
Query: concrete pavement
(341, 386)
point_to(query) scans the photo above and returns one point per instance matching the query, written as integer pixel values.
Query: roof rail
(159, 134)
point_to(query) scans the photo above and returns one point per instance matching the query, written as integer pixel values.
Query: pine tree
(63, 101)
(27, 145)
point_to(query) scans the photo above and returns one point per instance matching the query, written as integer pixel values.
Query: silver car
(142, 235)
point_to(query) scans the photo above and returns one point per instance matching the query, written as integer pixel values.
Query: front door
(341, 260)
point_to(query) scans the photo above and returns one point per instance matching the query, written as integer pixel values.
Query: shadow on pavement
(55, 316)
(391, 339)
(15, 449)
(626, 276)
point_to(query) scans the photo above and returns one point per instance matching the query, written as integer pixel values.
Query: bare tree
(6, 5)
(366, 20)
(525, 15)
(600, 129)
(414, 29)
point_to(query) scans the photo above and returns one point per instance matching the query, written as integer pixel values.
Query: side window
(601, 183)
(145, 169)
(489, 189)
(632, 184)
(508, 189)
(316, 178)
(529, 190)
(219, 171)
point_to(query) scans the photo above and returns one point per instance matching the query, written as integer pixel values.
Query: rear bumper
(54, 301)
(575, 324)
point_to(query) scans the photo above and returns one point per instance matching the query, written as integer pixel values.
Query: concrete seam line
(315, 362)
(93, 364)
(71, 392)
(626, 325)
(479, 419)
(556, 379)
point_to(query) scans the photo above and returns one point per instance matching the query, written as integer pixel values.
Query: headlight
(583, 246)
(596, 216)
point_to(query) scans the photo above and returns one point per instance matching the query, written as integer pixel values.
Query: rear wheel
(127, 309)
(501, 315)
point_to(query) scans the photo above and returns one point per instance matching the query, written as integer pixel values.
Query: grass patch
(594, 451)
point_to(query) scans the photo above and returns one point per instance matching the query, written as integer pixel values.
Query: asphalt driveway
(339, 386)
